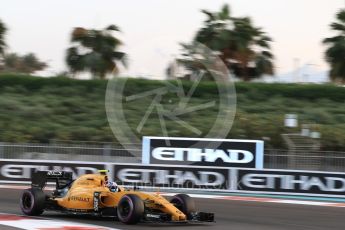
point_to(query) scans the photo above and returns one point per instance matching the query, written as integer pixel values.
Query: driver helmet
(112, 186)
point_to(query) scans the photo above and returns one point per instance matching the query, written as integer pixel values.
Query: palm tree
(335, 53)
(244, 48)
(28, 63)
(250, 48)
(94, 51)
(193, 60)
(2, 39)
(214, 34)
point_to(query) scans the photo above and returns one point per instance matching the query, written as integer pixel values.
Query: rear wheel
(130, 209)
(32, 202)
(184, 203)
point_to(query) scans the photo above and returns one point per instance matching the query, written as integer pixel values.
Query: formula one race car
(90, 194)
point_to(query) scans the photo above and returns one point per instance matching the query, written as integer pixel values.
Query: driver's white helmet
(112, 186)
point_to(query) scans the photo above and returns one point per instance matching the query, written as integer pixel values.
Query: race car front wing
(193, 217)
(202, 216)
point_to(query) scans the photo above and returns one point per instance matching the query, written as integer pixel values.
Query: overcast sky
(152, 29)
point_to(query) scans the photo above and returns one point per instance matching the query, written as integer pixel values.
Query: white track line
(28, 223)
(265, 199)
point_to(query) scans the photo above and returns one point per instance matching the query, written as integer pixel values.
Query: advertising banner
(203, 152)
(180, 178)
(289, 181)
(21, 170)
(172, 176)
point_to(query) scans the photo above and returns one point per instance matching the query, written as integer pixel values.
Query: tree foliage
(14, 63)
(2, 38)
(37, 109)
(27, 63)
(335, 53)
(244, 48)
(94, 51)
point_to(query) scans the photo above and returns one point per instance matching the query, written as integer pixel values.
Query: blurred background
(287, 59)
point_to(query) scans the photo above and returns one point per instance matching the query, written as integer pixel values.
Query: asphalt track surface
(230, 215)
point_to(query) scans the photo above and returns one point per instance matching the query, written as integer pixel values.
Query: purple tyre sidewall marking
(179, 199)
(129, 215)
(27, 193)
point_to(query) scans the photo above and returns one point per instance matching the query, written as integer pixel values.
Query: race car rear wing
(39, 179)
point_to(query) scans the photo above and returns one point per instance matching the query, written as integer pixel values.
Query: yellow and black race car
(89, 194)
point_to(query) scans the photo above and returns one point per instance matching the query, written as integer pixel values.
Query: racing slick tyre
(184, 203)
(32, 202)
(130, 209)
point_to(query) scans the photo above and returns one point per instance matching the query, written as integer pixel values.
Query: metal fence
(71, 152)
(108, 152)
(329, 161)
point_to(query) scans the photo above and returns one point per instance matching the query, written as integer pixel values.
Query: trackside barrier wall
(181, 178)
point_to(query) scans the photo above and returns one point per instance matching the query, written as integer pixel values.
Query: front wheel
(184, 203)
(32, 202)
(130, 209)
